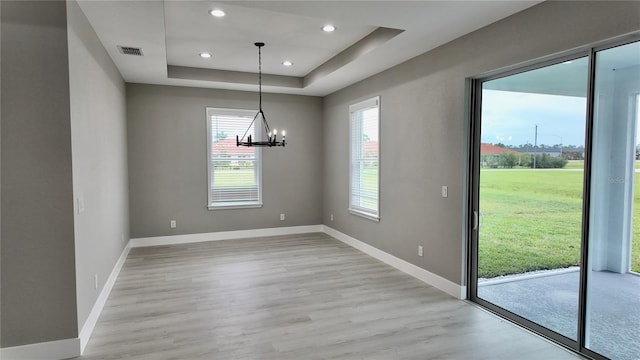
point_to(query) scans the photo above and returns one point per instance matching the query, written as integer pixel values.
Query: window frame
(222, 205)
(357, 209)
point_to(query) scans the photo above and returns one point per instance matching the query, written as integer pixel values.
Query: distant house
(495, 156)
(489, 149)
(231, 155)
(569, 152)
(549, 150)
(227, 147)
(371, 148)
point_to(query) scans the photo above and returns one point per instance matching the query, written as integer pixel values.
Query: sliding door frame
(473, 196)
(584, 260)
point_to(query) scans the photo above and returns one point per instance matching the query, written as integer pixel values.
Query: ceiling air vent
(128, 50)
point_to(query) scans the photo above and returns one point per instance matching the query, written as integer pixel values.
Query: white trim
(463, 292)
(365, 215)
(223, 235)
(368, 103)
(232, 205)
(90, 323)
(59, 349)
(419, 273)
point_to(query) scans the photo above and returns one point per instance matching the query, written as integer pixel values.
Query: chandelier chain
(260, 76)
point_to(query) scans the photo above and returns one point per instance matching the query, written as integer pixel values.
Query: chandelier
(271, 136)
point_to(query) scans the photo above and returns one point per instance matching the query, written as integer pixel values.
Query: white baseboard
(451, 288)
(419, 273)
(90, 324)
(223, 235)
(59, 349)
(68, 348)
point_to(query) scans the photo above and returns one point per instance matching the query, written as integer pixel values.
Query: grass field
(575, 164)
(579, 164)
(235, 177)
(531, 220)
(370, 187)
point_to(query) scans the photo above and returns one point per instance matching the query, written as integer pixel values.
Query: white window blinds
(233, 171)
(365, 158)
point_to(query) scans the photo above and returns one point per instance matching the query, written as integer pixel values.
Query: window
(365, 158)
(233, 172)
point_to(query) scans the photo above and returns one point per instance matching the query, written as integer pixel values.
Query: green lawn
(370, 186)
(234, 177)
(575, 164)
(579, 164)
(531, 220)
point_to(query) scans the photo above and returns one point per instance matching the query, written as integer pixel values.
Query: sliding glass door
(530, 193)
(552, 211)
(613, 284)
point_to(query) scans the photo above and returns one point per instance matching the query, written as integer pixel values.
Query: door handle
(475, 220)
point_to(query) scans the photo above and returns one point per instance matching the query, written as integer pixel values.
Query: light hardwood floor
(292, 297)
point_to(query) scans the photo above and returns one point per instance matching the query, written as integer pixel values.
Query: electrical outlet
(445, 191)
(281, 217)
(95, 281)
(173, 224)
(331, 217)
(420, 250)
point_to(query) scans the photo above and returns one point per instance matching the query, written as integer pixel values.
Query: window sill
(229, 206)
(365, 215)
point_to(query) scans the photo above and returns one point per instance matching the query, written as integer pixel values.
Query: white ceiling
(173, 33)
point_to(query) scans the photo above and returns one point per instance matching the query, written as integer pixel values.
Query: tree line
(511, 160)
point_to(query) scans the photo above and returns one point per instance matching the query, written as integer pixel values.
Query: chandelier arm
(249, 128)
(265, 124)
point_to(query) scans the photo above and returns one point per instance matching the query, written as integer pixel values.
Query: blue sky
(510, 118)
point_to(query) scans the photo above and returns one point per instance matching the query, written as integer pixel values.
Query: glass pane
(613, 283)
(365, 160)
(531, 189)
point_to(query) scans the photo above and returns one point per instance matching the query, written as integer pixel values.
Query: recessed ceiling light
(287, 63)
(216, 12)
(328, 28)
(205, 55)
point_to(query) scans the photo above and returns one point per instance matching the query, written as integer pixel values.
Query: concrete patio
(551, 299)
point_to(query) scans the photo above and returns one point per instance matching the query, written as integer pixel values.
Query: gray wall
(168, 161)
(99, 150)
(0, 178)
(424, 128)
(38, 272)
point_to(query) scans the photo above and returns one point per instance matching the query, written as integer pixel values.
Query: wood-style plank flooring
(293, 297)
